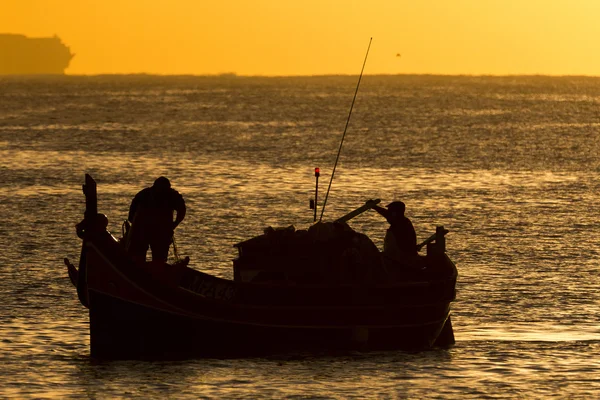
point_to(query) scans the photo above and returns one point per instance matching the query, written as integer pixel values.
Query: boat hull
(124, 330)
(168, 312)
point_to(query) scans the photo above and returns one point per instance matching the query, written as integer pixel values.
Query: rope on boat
(175, 251)
(125, 230)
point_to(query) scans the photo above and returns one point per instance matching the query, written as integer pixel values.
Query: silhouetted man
(151, 215)
(400, 241)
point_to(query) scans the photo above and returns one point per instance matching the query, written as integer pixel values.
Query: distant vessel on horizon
(21, 55)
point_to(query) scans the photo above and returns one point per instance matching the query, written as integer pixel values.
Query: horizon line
(236, 75)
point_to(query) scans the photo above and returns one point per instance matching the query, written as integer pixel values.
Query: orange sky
(314, 37)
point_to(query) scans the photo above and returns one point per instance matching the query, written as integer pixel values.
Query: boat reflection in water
(324, 288)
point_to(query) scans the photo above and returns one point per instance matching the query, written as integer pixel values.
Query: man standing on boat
(151, 215)
(400, 243)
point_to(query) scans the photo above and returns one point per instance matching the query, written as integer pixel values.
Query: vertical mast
(345, 129)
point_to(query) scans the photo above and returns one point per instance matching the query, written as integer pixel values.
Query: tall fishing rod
(345, 129)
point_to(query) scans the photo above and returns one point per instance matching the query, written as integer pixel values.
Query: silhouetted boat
(324, 288)
(20, 55)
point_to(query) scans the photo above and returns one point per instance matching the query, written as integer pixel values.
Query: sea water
(510, 165)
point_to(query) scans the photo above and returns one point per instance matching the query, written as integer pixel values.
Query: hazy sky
(313, 37)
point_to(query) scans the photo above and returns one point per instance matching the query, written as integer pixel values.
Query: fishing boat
(327, 288)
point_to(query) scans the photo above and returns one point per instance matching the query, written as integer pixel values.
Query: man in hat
(151, 215)
(400, 241)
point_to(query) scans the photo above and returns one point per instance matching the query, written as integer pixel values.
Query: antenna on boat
(313, 203)
(345, 129)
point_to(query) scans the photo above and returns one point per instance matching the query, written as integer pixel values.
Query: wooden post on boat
(440, 238)
(91, 198)
(317, 173)
(83, 228)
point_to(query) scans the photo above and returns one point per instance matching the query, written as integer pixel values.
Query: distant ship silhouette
(20, 55)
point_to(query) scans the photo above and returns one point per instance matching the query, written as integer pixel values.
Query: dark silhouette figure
(400, 241)
(151, 215)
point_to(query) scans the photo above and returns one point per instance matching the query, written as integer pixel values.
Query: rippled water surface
(510, 166)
